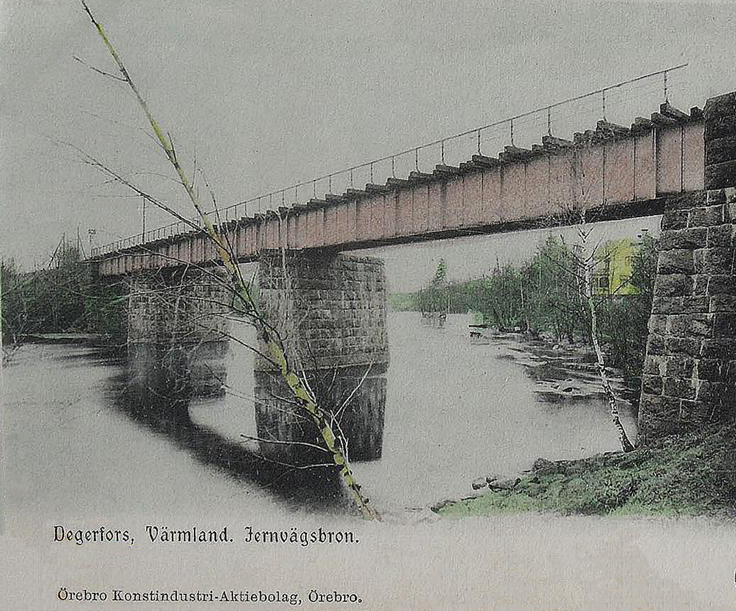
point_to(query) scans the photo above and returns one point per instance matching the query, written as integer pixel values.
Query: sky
(264, 95)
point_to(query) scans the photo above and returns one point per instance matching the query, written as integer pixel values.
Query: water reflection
(353, 397)
(156, 391)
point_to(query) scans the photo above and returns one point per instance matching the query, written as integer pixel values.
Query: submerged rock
(479, 483)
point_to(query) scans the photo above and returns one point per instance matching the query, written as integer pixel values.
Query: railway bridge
(332, 304)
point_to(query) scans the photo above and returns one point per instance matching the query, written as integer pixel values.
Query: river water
(454, 411)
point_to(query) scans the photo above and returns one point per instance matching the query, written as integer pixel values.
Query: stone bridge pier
(689, 377)
(331, 309)
(177, 334)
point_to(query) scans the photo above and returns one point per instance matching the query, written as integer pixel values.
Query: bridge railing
(614, 103)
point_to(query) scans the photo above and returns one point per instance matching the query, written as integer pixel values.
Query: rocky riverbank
(694, 474)
(687, 475)
(562, 371)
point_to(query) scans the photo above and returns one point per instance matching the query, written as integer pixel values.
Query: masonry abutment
(331, 311)
(177, 333)
(689, 376)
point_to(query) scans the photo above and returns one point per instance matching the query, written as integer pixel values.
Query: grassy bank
(690, 475)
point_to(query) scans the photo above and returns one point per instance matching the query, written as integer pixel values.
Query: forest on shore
(545, 296)
(63, 297)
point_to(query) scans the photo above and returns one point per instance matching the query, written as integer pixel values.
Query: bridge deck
(619, 172)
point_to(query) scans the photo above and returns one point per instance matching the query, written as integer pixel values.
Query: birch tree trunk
(626, 445)
(241, 290)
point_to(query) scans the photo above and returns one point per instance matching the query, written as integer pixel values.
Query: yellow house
(613, 268)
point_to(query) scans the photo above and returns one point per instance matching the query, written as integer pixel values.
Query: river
(454, 411)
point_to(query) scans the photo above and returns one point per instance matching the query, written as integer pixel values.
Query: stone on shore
(507, 484)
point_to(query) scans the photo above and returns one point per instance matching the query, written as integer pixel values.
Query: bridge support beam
(177, 335)
(331, 309)
(689, 377)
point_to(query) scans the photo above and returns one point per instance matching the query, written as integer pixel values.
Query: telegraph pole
(143, 232)
(91, 232)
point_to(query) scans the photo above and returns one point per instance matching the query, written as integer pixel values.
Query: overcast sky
(269, 93)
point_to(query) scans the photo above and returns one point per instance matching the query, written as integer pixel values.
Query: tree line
(61, 298)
